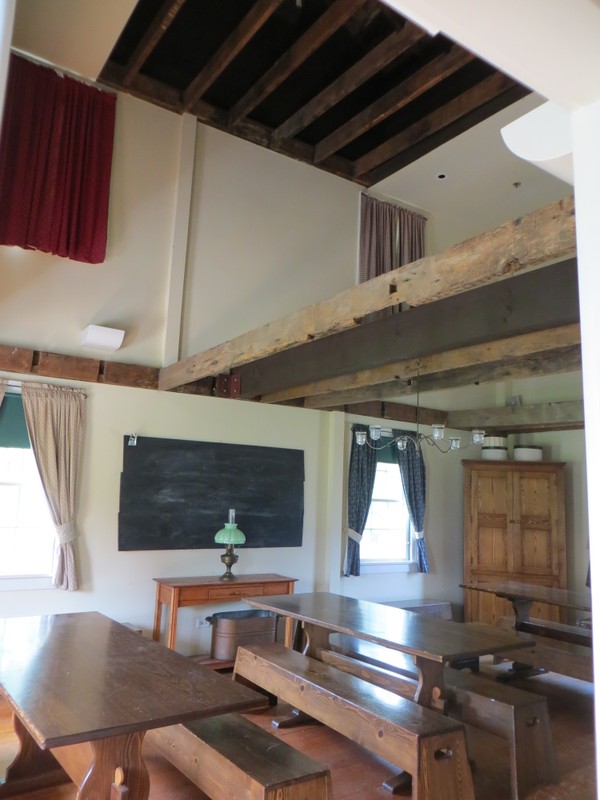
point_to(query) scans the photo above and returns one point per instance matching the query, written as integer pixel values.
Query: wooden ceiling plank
(506, 418)
(386, 51)
(460, 106)
(254, 20)
(152, 36)
(407, 370)
(540, 237)
(397, 98)
(135, 375)
(329, 22)
(552, 362)
(500, 310)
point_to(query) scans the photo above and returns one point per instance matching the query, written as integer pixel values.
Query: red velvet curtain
(55, 159)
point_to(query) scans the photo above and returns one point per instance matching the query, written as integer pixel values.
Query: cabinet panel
(514, 530)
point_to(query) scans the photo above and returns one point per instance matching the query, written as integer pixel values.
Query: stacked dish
(494, 448)
(528, 452)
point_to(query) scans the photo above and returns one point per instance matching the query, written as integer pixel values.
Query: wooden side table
(178, 592)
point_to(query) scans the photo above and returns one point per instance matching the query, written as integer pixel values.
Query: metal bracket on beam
(227, 386)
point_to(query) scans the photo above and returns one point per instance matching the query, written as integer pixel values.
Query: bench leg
(443, 769)
(532, 758)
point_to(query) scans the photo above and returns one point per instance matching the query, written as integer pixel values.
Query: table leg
(32, 767)
(172, 629)
(317, 638)
(157, 615)
(522, 609)
(288, 636)
(430, 691)
(116, 753)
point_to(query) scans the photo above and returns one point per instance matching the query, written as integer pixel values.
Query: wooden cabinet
(514, 522)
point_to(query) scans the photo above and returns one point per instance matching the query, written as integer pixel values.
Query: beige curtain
(55, 422)
(3, 385)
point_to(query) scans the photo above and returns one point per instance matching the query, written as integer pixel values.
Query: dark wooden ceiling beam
(474, 98)
(504, 309)
(554, 362)
(170, 99)
(403, 372)
(397, 98)
(397, 412)
(566, 415)
(254, 20)
(152, 36)
(327, 24)
(542, 236)
(373, 62)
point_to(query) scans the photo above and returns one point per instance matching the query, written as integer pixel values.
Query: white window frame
(380, 566)
(33, 581)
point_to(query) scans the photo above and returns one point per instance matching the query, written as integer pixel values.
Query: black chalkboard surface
(176, 494)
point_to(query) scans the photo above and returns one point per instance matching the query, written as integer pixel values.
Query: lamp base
(229, 558)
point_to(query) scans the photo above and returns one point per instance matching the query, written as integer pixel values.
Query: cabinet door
(537, 550)
(491, 542)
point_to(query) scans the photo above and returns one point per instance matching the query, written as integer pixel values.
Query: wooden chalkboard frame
(175, 494)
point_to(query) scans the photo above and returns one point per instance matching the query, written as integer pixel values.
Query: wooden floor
(356, 775)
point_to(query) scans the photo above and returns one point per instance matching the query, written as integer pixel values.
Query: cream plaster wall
(268, 235)
(47, 301)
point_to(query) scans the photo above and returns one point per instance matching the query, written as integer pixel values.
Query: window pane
(27, 536)
(387, 533)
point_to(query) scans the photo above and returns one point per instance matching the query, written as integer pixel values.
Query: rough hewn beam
(398, 412)
(500, 310)
(387, 51)
(566, 359)
(260, 12)
(156, 30)
(90, 370)
(335, 16)
(540, 237)
(400, 373)
(397, 98)
(566, 415)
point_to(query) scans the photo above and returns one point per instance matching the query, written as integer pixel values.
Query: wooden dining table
(84, 690)
(431, 642)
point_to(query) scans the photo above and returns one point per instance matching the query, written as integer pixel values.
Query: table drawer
(278, 588)
(221, 592)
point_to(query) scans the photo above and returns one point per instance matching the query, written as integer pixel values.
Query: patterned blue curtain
(412, 471)
(361, 478)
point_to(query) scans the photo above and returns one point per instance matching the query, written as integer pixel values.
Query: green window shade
(13, 430)
(387, 454)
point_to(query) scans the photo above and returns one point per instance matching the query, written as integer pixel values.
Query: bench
(424, 743)
(229, 756)
(518, 716)
(556, 655)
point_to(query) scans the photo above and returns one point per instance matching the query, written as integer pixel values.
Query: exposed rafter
(566, 415)
(327, 81)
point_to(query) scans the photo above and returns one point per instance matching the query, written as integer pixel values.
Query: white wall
(268, 235)
(47, 301)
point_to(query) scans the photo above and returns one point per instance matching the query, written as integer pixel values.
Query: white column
(7, 16)
(586, 162)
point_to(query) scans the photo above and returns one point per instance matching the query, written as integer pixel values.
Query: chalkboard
(176, 494)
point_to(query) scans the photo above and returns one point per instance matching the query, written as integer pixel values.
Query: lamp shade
(230, 534)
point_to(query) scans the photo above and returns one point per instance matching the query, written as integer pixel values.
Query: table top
(79, 677)
(565, 598)
(417, 634)
(210, 580)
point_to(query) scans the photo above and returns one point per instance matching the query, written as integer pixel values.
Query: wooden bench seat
(566, 658)
(424, 743)
(518, 716)
(229, 756)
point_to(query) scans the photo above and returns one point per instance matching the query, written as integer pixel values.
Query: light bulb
(454, 443)
(375, 431)
(360, 437)
(477, 436)
(437, 432)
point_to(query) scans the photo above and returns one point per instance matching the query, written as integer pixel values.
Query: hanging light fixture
(436, 438)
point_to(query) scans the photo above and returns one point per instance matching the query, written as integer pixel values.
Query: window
(27, 535)
(387, 538)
